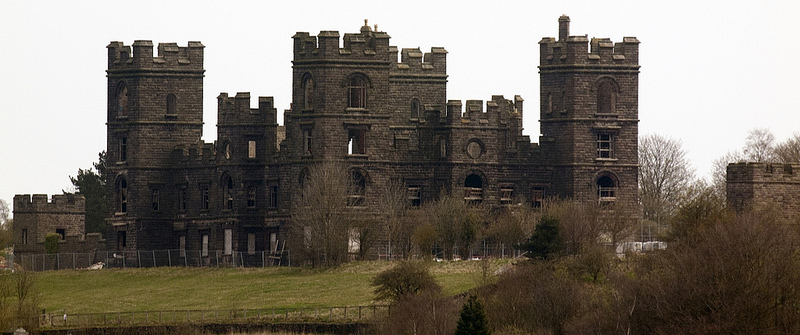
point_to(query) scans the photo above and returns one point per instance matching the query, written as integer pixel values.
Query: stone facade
(380, 110)
(764, 185)
(37, 216)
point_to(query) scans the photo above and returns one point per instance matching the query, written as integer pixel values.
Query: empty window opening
(227, 192)
(273, 196)
(122, 239)
(357, 145)
(122, 195)
(25, 236)
(172, 104)
(606, 189)
(414, 195)
(357, 93)
(155, 199)
(506, 194)
(358, 190)
(442, 147)
(307, 141)
(251, 197)
(605, 146)
(473, 189)
(204, 199)
(182, 199)
(415, 109)
(62, 232)
(273, 242)
(123, 149)
(537, 197)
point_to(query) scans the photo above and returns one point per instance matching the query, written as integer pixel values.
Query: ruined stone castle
(381, 111)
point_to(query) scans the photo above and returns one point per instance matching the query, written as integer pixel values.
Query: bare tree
(788, 151)
(322, 224)
(664, 174)
(456, 224)
(393, 204)
(759, 146)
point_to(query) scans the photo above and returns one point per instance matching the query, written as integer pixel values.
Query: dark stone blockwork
(380, 109)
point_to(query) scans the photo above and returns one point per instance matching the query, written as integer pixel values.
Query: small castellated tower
(35, 217)
(154, 105)
(589, 115)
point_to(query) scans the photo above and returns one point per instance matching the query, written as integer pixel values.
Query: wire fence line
(152, 258)
(149, 318)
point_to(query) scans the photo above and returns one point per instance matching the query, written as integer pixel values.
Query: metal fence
(149, 318)
(154, 258)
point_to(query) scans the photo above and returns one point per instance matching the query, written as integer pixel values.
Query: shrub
(407, 277)
(51, 243)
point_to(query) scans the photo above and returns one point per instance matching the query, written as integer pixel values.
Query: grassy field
(114, 290)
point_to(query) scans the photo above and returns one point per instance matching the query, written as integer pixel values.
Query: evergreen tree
(545, 241)
(473, 319)
(92, 185)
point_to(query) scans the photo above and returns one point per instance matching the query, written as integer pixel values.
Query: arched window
(227, 192)
(549, 107)
(121, 194)
(606, 189)
(122, 99)
(606, 97)
(308, 93)
(302, 181)
(172, 104)
(358, 189)
(357, 92)
(415, 108)
(473, 189)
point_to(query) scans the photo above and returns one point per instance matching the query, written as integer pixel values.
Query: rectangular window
(605, 146)
(251, 243)
(357, 142)
(251, 197)
(228, 241)
(62, 232)
(273, 196)
(506, 194)
(204, 252)
(182, 246)
(273, 242)
(442, 147)
(122, 239)
(537, 197)
(123, 149)
(307, 136)
(182, 199)
(251, 149)
(24, 236)
(354, 242)
(155, 199)
(414, 195)
(204, 200)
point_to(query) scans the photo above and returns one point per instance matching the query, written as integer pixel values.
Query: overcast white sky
(710, 71)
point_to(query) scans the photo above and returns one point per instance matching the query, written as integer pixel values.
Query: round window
(474, 149)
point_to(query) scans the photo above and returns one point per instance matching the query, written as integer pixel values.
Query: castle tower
(589, 115)
(154, 105)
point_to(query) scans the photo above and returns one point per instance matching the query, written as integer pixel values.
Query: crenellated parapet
(170, 56)
(579, 50)
(59, 203)
(365, 44)
(499, 112)
(763, 173)
(194, 154)
(414, 61)
(236, 110)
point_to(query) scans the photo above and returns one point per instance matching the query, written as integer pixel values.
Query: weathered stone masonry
(381, 110)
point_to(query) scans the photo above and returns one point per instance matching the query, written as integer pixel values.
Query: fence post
(155, 265)
(169, 257)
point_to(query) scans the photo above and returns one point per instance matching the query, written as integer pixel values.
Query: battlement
(368, 44)
(236, 110)
(413, 60)
(200, 152)
(574, 50)
(60, 203)
(500, 112)
(170, 56)
(763, 173)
